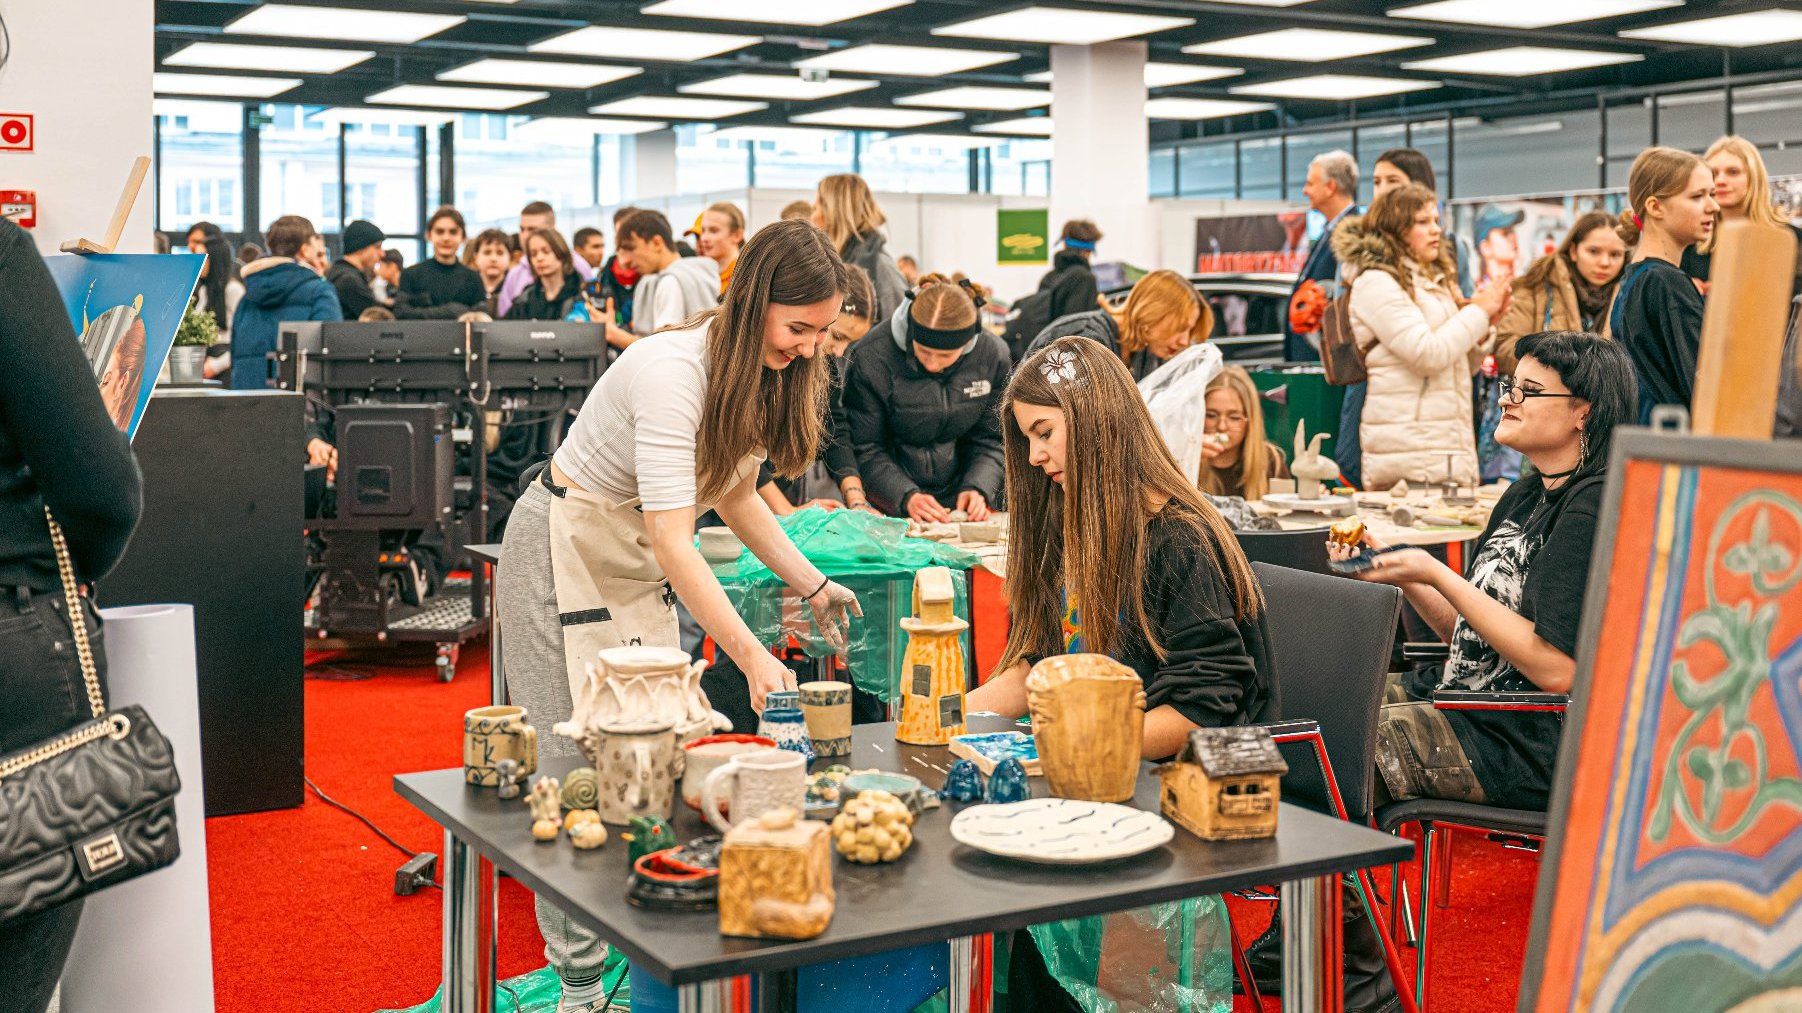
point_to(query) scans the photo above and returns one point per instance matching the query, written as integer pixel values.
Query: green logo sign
(1022, 237)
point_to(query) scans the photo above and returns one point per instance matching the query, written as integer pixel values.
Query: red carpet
(305, 919)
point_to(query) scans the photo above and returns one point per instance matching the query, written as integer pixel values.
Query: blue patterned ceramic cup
(787, 727)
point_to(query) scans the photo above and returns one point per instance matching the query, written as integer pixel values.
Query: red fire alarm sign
(21, 206)
(17, 132)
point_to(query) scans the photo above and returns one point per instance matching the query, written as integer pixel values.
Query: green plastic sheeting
(539, 991)
(1167, 958)
(874, 558)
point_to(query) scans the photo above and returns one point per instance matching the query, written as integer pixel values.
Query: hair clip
(1059, 366)
(1638, 223)
(972, 291)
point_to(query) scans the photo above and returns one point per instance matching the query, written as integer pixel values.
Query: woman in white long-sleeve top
(1421, 343)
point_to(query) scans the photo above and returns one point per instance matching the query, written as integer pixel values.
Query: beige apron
(610, 590)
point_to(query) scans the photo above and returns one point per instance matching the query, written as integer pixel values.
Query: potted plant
(197, 333)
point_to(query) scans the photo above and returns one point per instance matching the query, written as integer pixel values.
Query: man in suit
(1332, 190)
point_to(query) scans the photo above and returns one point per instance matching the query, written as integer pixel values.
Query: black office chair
(1329, 641)
(1298, 550)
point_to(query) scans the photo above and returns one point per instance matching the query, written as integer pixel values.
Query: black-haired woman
(1512, 625)
(605, 532)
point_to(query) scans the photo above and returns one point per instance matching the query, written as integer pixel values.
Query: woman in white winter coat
(1421, 343)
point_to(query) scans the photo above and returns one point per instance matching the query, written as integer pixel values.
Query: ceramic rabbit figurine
(639, 684)
(1311, 468)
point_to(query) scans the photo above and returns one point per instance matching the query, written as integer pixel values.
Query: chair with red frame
(1439, 819)
(1329, 641)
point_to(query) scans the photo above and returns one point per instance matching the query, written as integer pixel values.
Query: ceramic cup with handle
(638, 764)
(754, 783)
(493, 734)
(827, 708)
(708, 754)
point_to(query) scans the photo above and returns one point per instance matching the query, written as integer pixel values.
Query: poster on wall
(1022, 236)
(126, 307)
(1510, 233)
(1252, 243)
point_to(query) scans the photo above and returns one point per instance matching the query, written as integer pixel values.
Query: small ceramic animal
(1311, 468)
(589, 834)
(576, 817)
(648, 834)
(507, 771)
(963, 783)
(872, 828)
(546, 799)
(581, 788)
(1008, 784)
(544, 830)
(826, 785)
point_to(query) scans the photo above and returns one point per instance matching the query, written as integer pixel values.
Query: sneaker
(596, 1005)
(414, 586)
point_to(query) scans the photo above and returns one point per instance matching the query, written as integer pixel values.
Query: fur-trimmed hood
(1359, 248)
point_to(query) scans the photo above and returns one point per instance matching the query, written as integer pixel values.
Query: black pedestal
(222, 531)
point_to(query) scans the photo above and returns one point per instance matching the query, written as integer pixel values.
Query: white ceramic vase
(655, 685)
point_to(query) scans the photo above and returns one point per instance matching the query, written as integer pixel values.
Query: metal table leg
(726, 995)
(971, 986)
(469, 929)
(496, 675)
(1313, 962)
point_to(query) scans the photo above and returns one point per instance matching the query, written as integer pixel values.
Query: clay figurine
(589, 834)
(1400, 489)
(544, 830)
(1088, 718)
(1008, 784)
(508, 773)
(932, 670)
(649, 834)
(824, 789)
(776, 878)
(1311, 468)
(963, 783)
(579, 816)
(581, 788)
(872, 828)
(546, 799)
(1223, 785)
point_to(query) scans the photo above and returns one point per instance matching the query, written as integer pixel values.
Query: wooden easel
(1741, 359)
(133, 183)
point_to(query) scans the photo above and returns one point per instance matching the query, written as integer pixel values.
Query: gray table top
(938, 891)
(484, 553)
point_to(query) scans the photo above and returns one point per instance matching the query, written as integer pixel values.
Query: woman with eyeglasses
(1512, 624)
(1236, 459)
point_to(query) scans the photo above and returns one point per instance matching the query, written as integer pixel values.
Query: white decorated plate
(1059, 831)
(1320, 505)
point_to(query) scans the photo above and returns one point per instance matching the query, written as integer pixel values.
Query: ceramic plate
(1058, 831)
(1322, 505)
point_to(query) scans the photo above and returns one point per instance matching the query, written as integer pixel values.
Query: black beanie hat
(360, 235)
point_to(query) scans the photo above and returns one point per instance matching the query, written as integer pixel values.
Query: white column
(1100, 147)
(651, 166)
(83, 70)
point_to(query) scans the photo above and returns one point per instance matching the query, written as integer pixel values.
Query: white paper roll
(147, 945)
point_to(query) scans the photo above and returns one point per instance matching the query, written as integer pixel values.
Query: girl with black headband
(920, 399)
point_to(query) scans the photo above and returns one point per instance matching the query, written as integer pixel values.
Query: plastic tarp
(873, 557)
(1177, 394)
(1167, 958)
(539, 991)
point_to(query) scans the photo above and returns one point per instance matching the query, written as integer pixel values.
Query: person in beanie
(921, 396)
(349, 274)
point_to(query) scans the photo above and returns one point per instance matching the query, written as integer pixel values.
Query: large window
(708, 161)
(913, 164)
(799, 159)
(1163, 172)
(299, 156)
(1302, 150)
(1206, 170)
(381, 176)
(201, 168)
(1261, 166)
(1020, 168)
(499, 172)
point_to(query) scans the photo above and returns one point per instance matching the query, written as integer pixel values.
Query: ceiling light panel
(874, 118)
(221, 84)
(287, 59)
(1753, 28)
(958, 141)
(905, 61)
(672, 107)
(1162, 75)
(347, 23)
(393, 117)
(445, 97)
(1527, 13)
(787, 87)
(780, 12)
(538, 73)
(1334, 87)
(642, 43)
(568, 126)
(1307, 45)
(1032, 126)
(970, 97)
(1200, 108)
(1061, 26)
(1522, 61)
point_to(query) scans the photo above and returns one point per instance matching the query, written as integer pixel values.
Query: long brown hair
(1389, 219)
(848, 208)
(1155, 298)
(1760, 209)
(559, 249)
(1541, 271)
(1253, 466)
(1088, 536)
(1658, 172)
(749, 405)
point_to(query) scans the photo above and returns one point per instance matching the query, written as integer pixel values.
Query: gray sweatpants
(525, 599)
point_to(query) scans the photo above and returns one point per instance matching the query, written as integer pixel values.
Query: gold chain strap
(118, 725)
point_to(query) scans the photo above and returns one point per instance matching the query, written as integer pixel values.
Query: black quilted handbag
(90, 807)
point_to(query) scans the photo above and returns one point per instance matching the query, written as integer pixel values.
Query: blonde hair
(1253, 466)
(735, 219)
(1157, 297)
(1658, 172)
(1089, 536)
(848, 208)
(1760, 209)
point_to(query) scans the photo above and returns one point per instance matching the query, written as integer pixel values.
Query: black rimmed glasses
(1513, 393)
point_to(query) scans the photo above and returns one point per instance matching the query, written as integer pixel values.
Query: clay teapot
(642, 684)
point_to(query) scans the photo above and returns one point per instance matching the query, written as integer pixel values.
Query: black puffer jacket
(915, 431)
(1071, 283)
(870, 252)
(1097, 325)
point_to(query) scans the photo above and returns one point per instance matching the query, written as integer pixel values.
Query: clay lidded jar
(659, 685)
(1088, 716)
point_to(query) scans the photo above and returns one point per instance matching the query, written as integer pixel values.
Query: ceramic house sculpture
(963, 783)
(1223, 784)
(776, 878)
(932, 671)
(1088, 719)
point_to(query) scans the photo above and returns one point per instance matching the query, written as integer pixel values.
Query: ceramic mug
(827, 708)
(787, 726)
(493, 734)
(706, 755)
(782, 699)
(754, 783)
(638, 764)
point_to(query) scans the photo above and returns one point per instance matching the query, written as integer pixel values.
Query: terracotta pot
(1088, 715)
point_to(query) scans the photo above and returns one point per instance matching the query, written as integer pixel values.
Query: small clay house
(1223, 784)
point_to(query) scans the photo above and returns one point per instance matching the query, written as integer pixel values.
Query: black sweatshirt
(533, 304)
(352, 286)
(57, 444)
(430, 290)
(1657, 317)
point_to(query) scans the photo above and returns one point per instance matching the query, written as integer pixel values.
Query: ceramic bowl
(720, 545)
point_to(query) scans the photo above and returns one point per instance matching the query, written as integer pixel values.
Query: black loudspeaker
(394, 465)
(223, 506)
